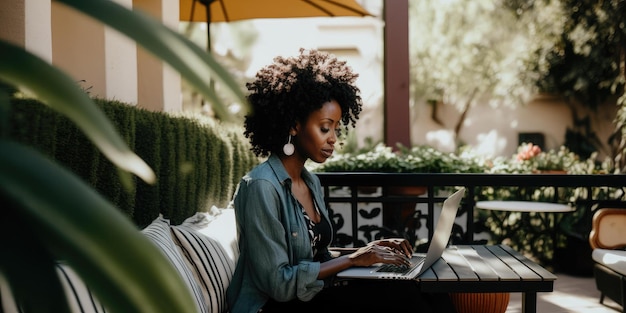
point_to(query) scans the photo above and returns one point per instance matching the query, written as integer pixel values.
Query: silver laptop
(420, 262)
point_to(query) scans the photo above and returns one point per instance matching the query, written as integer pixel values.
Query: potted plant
(416, 159)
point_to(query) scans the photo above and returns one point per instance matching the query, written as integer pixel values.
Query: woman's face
(316, 139)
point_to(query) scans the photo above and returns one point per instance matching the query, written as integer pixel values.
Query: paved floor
(571, 294)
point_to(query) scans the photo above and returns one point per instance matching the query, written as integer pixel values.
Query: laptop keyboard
(400, 269)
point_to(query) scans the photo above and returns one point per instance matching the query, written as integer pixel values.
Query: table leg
(529, 302)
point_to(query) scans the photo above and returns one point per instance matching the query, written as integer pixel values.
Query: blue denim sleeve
(270, 248)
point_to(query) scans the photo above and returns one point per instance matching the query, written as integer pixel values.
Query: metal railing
(343, 187)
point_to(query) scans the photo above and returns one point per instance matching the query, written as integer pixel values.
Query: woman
(299, 106)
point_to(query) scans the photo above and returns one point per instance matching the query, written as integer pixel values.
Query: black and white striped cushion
(79, 296)
(160, 233)
(211, 263)
(220, 225)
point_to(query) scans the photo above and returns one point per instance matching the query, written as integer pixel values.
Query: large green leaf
(126, 271)
(194, 64)
(60, 92)
(27, 265)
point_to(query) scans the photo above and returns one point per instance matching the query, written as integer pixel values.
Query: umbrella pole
(207, 5)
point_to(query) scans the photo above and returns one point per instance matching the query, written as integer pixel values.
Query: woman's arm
(382, 251)
(334, 266)
(265, 245)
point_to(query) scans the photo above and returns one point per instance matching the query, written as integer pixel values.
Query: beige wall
(78, 48)
(26, 23)
(159, 87)
(494, 131)
(12, 22)
(102, 61)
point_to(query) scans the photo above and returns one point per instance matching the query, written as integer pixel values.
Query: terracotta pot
(550, 172)
(368, 190)
(480, 302)
(406, 190)
(393, 217)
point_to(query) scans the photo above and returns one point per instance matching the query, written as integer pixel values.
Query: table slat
(504, 272)
(545, 274)
(429, 274)
(478, 264)
(522, 270)
(441, 271)
(459, 264)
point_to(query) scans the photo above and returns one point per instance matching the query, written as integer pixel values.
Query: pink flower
(528, 151)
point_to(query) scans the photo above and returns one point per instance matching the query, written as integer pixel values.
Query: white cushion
(613, 259)
(159, 232)
(218, 224)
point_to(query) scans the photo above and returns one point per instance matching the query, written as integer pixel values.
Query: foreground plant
(51, 215)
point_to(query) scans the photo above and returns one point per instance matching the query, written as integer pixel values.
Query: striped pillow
(79, 297)
(218, 224)
(211, 264)
(160, 234)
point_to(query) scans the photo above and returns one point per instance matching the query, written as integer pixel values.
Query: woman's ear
(294, 130)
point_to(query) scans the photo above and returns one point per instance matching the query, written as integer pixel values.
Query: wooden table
(487, 269)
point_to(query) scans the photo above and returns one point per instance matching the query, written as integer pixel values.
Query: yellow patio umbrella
(236, 10)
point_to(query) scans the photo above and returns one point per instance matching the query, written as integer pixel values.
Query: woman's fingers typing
(399, 244)
(371, 254)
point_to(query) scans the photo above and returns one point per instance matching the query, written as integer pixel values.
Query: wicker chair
(608, 240)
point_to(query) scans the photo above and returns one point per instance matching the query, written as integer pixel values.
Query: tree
(462, 51)
(582, 59)
(503, 51)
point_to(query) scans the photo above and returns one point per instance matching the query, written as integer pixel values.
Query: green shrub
(197, 163)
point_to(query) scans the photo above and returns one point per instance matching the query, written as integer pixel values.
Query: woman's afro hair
(288, 90)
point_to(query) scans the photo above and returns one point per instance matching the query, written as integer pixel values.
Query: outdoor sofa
(608, 240)
(203, 249)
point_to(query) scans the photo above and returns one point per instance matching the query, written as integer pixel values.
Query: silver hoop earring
(288, 148)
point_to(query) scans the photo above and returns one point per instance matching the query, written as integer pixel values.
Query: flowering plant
(535, 159)
(426, 159)
(416, 159)
(527, 151)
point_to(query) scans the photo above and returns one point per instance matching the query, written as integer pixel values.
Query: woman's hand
(388, 252)
(400, 244)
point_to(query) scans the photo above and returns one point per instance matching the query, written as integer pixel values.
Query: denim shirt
(276, 257)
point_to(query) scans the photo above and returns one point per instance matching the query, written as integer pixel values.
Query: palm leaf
(126, 271)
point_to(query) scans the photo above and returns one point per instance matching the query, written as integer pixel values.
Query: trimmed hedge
(198, 161)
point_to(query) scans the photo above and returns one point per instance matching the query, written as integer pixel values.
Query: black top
(319, 233)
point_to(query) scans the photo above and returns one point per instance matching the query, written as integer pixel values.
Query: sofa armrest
(608, 230)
